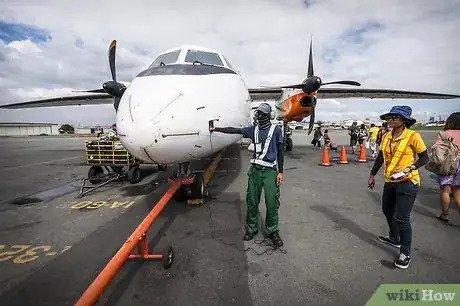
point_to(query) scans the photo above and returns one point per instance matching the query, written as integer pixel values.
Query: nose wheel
(194, 190)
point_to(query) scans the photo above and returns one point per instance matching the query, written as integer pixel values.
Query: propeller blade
(310, 60)
(299, 86)
(92, 90)
(352, 83)
(312, 122)
(112, 50)
(116, 102)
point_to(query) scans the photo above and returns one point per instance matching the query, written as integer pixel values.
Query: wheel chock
(195, 201)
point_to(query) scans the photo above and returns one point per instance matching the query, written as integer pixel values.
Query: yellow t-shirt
(373, 133)
(400, 153)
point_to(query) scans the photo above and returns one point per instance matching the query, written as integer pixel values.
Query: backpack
(444, 156)
(354, 132)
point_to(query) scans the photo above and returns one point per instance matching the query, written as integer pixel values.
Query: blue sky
(52, 48)
(10, 32)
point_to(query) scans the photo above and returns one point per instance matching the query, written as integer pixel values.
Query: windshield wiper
(201, 63)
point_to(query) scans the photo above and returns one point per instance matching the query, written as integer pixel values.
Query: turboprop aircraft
(163, 116)
(298, 101)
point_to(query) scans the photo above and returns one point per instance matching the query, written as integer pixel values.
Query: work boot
(249, 236)
(276, 239)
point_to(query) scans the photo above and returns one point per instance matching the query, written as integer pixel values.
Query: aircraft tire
(180, 195)
(289, 144)
(95, 171)
(134, 175)
(197, 188)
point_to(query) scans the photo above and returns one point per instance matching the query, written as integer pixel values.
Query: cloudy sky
(49, 48)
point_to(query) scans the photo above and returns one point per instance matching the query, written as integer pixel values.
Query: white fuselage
(164, 118)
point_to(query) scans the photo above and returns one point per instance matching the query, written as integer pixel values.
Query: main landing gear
(194, 190)
(288, 144)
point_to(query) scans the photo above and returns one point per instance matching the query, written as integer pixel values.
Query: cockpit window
(228, 63)
(167, 58)
(203, 57)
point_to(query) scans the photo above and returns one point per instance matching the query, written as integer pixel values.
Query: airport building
(92, 129)
(28, 129)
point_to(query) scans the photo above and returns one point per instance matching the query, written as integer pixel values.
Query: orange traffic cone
(362, 155)
(343, 156)
(325, 159)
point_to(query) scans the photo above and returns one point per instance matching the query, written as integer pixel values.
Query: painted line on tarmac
(25, 253)
(38, 164)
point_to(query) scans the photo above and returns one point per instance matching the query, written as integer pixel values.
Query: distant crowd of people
(371, 137)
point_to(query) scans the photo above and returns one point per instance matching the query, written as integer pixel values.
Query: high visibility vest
(259, 156)
(394, 161)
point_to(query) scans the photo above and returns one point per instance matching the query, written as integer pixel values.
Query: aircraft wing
(91, 99)
(265, 93)
(337, 93)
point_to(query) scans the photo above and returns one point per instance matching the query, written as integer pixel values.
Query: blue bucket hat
(401, 110)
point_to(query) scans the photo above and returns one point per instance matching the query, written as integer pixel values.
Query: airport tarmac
(54, 245)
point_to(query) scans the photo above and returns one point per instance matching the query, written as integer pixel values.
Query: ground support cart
(114, 158)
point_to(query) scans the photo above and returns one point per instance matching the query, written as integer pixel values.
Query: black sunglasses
(395, 117)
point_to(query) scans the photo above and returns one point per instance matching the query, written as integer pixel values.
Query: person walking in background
(327, 139)
(317, 137)
(450, 184)
(353, 132)
(362, 134)
(402, 180)
(382, 131)
(373, 139)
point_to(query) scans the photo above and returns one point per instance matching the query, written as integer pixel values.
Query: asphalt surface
(329, 221)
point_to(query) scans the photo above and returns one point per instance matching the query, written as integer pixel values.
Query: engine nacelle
(307, 101)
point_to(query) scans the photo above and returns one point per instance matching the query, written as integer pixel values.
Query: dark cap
(264, 108)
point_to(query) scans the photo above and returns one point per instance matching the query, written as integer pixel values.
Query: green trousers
(262, 178)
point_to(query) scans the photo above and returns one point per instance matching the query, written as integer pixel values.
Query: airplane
(164, 114)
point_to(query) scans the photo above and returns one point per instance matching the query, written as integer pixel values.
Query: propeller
(113, 88)
(312, 83)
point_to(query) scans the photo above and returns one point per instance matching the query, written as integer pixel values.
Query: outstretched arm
(228, 130)
(247, 132)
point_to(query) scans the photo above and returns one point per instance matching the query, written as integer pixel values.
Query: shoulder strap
(445, 136)
(256, 141)
(267, 141)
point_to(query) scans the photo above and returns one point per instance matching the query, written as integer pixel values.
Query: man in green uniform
(266, 171)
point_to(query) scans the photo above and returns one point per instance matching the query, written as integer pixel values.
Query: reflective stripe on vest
(259, 159)
(396, 158)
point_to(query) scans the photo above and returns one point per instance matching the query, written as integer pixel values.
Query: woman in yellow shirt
(402, 180)
(373, 139)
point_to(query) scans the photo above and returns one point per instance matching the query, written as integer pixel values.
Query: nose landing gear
(195, 190)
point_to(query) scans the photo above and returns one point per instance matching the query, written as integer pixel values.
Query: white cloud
(414, 48)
